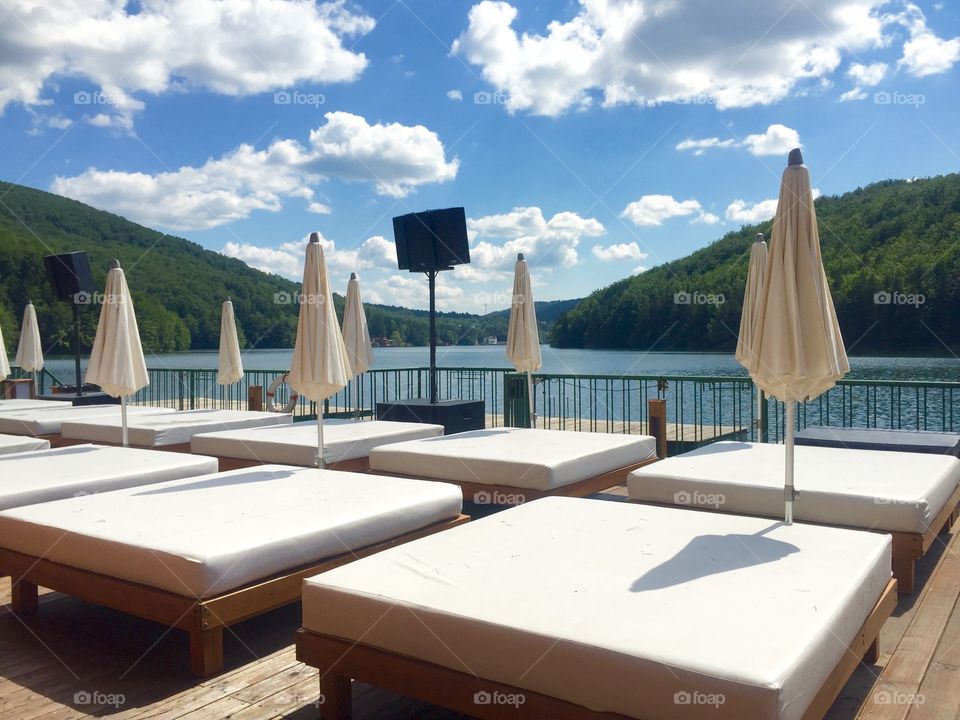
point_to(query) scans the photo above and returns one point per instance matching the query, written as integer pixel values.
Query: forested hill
(177, 285)
(892, 255)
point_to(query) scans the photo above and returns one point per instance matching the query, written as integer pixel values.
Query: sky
(599, 137)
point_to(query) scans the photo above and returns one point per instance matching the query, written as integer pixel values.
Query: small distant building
(490, 340)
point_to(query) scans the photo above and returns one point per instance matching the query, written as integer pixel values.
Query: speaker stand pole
(432, 277)
(76, 345)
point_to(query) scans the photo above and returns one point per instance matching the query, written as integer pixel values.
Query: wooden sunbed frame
(581, 488)
(340, 661)
(361, 464)
(204, 619)
(908, 547)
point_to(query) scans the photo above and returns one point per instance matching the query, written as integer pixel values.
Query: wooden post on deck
(255, 398)
(657, 424)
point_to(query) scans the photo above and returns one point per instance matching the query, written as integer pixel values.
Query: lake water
(583, 362)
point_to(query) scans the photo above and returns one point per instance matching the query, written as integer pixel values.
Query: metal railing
(700, 409)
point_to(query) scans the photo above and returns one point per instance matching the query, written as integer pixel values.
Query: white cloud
(626, 51)
(652, 210)
(547, 244)
(318, 208)
(455, 95)
(775, 140)
(868, 75)
(742, 212)
(375, 253)
(618, 252)
(852, 94)
(926, 54)
(699, 147)
(412, 291)
(231, 47)
(394, 158)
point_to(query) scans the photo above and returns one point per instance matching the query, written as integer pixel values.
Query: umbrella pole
(789, 492)
(356, 415)
(533, 412)
(760, 401)
(123, 419)
(320, 463)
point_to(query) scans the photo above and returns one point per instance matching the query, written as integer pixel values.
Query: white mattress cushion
(47, 421)
(619, 607)
(297, 444)
(46, 475)
(173, 428)
(203, 536)
(20, 443)
(893, 491)
(514, 457)
(25, 404)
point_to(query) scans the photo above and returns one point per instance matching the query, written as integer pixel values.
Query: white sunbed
(170, 431)
(29, 403)
(346, 443)
(203, 553)
(46, 422)
(46, 475)
(20, 443)
(517, 464)
(910, 495)
(567, 607)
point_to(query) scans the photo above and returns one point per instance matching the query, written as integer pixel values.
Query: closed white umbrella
(356, 335)
(4, 363)
(320, 366)
(798, 351)
(29, 350)
(752, 296)
(523, 337)
(229, 364)
(116, 360)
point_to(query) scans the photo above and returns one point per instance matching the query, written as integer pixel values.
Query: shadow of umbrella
(711, 555)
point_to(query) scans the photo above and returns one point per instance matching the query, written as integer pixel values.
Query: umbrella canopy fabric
(523, 338)
(229, 364)
(797, 351)
(356, 335)
(4, 363)
(29, 351)
(116, 360)
(752, 296)
(320, 366)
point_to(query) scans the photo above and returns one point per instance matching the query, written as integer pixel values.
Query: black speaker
(431, 240)
(69, 276)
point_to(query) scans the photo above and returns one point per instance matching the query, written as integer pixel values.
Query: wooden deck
(81, 660)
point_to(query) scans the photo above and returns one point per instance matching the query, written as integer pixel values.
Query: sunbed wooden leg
(206, 652)
(904, 571)
(26, 600)
(872, 655)
(337, 696)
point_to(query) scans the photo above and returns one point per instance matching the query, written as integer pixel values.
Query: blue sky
(600, 137)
